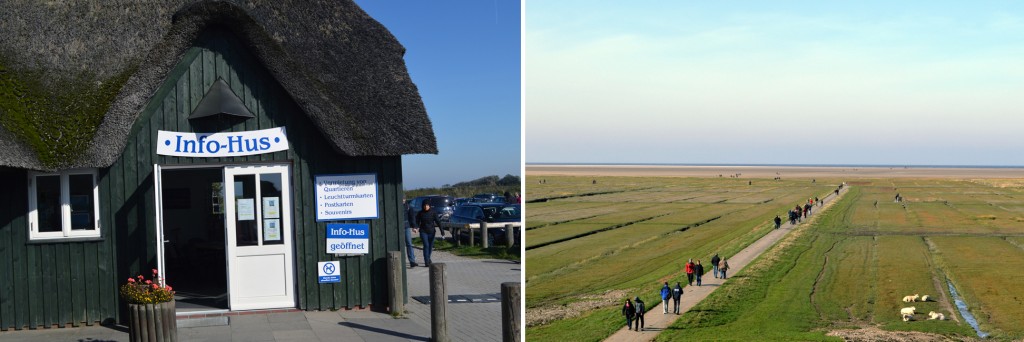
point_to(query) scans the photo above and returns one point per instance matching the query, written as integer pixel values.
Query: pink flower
(131, 280)
(154, 271)
(149, 282)
(140, 277)
(169, 288)
(155, 287)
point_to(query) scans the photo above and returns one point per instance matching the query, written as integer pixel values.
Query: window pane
(273, 227)
(245, 211)
(48, 203)
(80, 194)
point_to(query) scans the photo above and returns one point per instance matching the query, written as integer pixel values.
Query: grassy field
(849, 269)
(628, 234)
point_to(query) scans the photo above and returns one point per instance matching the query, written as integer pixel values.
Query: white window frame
(65, 206)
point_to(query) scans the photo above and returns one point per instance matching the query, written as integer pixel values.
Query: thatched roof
(344, 69)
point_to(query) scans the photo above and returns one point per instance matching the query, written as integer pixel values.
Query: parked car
(488, 212)
(488, 198)
(443, 205)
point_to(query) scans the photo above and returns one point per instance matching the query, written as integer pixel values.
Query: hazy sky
(791, 82)
(464, 56)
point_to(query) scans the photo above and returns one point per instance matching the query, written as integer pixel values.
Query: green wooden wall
(50, 283)
(30, 271)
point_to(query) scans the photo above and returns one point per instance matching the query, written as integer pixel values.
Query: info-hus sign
(348, 238)
(225, 144)
(346, 197)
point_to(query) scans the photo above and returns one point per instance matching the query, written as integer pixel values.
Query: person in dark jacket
(714, 264)
(639, 313)
(778, 223)
(629, 311)
(666, 293)
(698, 271)
(427, 221)
(677, 293)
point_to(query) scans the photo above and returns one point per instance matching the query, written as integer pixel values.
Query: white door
(259, 246)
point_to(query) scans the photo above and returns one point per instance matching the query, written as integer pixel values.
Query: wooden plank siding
(71, 283)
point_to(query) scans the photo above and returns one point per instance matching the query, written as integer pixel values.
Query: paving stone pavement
(466, 321)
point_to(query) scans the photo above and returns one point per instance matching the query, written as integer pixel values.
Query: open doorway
(193, 224)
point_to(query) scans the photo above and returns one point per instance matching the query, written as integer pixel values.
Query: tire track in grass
(588, 194)
(937, 281)
(621, 225)
(821, 274)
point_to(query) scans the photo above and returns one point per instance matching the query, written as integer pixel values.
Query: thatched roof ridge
(344, 69)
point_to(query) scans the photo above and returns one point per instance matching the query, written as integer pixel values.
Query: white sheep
(907, 318)
(936, 315)
(925, 298)
(908, 299)
(908, 310)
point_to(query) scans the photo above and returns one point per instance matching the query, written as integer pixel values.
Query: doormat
(466, 298)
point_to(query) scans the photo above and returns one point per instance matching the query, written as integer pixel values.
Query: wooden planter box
(153, 322)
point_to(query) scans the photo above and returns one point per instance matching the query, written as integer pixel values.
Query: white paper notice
(271, 230)
(346, 197)
(246, 209)
(271, 207)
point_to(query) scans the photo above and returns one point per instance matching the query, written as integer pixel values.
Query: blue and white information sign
(346, 197)
(329, 272)
(227, 144)
(348, 238)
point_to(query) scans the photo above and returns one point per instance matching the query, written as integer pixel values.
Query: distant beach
(767, 171)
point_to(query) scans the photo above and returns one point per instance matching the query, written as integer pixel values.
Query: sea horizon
(786, 165)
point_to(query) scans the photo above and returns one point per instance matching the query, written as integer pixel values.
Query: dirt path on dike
(655, 321)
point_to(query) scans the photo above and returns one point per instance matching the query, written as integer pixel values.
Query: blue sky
(464, 57)
(791, 82)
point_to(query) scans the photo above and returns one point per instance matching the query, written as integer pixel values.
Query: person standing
(677, 293)
(410, 222)
(689, 272)
(640, 308)
(629, 311)
(778, 223)
(723, 267)
(714, 264)
(698, 271)
(427, 221)
(666, 293)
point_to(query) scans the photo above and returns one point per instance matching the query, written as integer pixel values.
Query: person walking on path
(665, 294)
(714, 264)
(698, 271)
(677, 293)
(629, 311)
(778, 223)
(428, 223)
(689, 272)
(409, 231)
(639, 313)
(723, 267)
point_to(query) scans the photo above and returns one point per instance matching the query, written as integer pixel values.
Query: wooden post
(511, 296)
(438, 304)
(472, 233)
(510, 236)
(457, 230)
(396, 295)
(483, 235)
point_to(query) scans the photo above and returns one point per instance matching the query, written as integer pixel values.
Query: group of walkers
(634, 310)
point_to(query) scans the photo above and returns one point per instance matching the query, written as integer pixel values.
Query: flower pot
(153, 322)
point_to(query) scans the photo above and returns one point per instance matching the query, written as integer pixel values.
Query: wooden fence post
(483, 235)
(510, 236)
(438, 304)
(511, 296)
(456, 230)
(396, 299)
